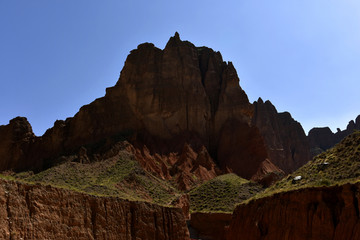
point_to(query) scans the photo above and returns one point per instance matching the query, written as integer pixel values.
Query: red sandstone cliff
(314, 213)
(44, 212)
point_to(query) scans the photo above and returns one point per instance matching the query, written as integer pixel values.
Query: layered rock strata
(45, 212)
(330, 213)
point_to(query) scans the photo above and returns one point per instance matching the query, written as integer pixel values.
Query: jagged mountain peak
(163, 99)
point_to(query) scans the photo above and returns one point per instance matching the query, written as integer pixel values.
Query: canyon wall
(330, 213)
(45, 212)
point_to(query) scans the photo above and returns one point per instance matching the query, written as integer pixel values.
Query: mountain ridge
(181, 94)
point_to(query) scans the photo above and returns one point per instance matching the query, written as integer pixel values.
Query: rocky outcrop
(15, 139)
(163, 99)
(312, 213)
(44, 212)
(321, 139)
(268, 173)
(186, 168)
(285, 139)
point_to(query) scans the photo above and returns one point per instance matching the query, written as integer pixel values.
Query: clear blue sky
(302, 55)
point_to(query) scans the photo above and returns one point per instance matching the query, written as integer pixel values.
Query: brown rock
(187, 168)
(241, 149)
(267, 173)
(312, 213)
(15, 140)
(210, 226)
(285, 139)
(183, 202)
(182, 94)
(39, 212)
(321, 139)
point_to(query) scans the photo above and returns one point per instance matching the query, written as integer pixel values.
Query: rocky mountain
(163, 100)
(175, 119)
(321, 139)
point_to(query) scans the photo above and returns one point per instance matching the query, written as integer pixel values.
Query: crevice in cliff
(187, 113)
(212, 85)
(355, 192)
(355, 200)
(336, 212)
(132, 223)
(8, 212)
(28, 203)
(106, 212)
(156, 226)
(169, 225)
(86, 222)
(163, 221)
(263, 229)
(93, 208)
(311, 210)
(205, 55)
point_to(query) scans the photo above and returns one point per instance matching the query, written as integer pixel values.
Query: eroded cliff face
(45, 212)
(185, 169)
(167, 94)
(285, 139)
(312, 213)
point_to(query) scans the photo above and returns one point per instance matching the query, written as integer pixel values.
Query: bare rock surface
(285, 139)
(45, 212)
(330, 213)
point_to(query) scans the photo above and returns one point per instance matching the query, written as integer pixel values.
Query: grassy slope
(119, 176)
(222, 193)
(338, 165)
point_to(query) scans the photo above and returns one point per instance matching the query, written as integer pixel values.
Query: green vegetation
(222, 193)
(119, 176)
(338, 165)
